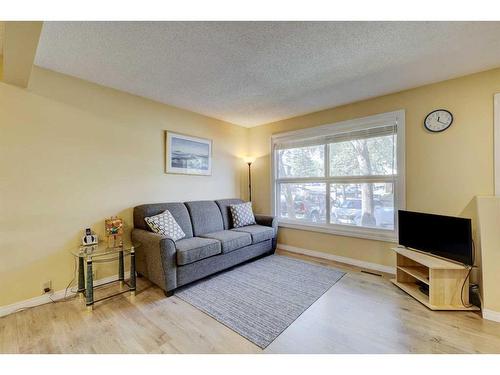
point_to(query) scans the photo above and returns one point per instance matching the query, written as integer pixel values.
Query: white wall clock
(438, 120)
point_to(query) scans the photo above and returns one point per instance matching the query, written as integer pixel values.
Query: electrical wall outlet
(47, 286)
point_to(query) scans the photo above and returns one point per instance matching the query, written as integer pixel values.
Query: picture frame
(185, 154)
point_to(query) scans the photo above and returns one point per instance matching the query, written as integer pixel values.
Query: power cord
(64, 299)
(462, 290)
(468, 275)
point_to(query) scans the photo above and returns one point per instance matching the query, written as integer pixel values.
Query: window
(345, 178)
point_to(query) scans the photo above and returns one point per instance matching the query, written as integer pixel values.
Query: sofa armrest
(268, 221)
(159, 258)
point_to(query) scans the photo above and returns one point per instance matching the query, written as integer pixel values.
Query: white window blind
(340, 137)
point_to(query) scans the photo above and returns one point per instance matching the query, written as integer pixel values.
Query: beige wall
(20, 44)
(443, 171)
(73, 153)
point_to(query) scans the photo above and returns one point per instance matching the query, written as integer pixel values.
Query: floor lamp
(249, 160)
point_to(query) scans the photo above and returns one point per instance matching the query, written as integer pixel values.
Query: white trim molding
(50, 297)
(491, 315)
(342, 230)
(496, 142)
(340, 259)
(320, 133)
(33, 302)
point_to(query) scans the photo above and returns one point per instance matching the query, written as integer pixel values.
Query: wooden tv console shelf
(444, 278)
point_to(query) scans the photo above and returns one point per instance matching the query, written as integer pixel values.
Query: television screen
(444, 236)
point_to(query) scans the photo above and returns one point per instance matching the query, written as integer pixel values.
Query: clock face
(438, 120)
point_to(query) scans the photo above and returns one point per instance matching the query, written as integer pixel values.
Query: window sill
(343, 230)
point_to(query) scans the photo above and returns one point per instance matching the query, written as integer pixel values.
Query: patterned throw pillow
(165, 224)
(242, 214)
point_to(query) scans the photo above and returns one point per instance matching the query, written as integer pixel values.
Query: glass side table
(102, 253)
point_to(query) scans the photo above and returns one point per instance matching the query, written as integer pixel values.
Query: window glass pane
(303, 201)
(363, 157)
(302, 162)
(365, 205)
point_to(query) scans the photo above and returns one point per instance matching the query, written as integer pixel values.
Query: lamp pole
(249, 181)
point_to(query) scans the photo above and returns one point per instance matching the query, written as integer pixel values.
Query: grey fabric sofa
(211, 243)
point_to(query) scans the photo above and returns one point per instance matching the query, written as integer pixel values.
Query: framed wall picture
(188, 155)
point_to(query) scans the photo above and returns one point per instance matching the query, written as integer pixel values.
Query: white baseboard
(340, 259)
(50, 297)
(491, 315)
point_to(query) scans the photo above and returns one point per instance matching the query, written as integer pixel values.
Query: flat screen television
(445, 236)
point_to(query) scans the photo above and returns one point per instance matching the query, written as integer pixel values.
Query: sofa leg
(169, 293)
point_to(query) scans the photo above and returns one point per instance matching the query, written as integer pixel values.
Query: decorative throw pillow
(165, 224)
(242, 214)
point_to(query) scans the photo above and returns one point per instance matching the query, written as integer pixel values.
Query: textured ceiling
(250, 73)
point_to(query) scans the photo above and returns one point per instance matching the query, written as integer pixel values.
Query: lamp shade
(249, 159)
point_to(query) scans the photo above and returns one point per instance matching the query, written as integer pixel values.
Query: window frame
(379, 120)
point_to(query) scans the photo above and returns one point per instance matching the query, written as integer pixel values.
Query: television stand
(444, 279)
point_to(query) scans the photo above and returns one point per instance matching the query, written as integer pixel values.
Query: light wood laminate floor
(362, 313)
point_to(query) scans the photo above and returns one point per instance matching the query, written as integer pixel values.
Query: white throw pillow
(242, 214)
(166, 225)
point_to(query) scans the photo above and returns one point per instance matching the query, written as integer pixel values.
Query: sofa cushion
(225, 210)
(178, 211)
(190, 250)
(205, 216)
(230, 240)
(259, 233)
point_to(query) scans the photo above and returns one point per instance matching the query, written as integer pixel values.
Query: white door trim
(496, 142)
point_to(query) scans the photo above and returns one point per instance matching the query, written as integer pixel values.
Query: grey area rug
(259, 300)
